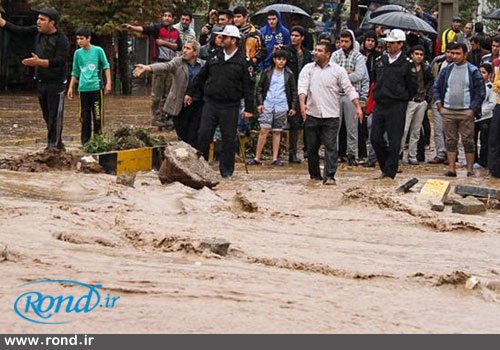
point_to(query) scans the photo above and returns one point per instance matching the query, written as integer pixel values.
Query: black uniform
(51, 80)
(395, 85)
(224, 84)
(494, 143)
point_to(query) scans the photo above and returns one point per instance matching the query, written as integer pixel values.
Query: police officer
(225, 80)
(395, 85)
(49, 60)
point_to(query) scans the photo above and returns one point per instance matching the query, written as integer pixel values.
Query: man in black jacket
(225, 80)
(395, 85)
(49, 60)
(299, 57)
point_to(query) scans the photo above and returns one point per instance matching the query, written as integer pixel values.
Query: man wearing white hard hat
(395, 84)
(224, 80)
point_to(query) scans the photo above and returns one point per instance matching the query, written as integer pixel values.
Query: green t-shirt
(86, 67)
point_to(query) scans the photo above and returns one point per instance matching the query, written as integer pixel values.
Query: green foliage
(99, 144)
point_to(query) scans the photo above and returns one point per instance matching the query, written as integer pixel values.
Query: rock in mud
(39, 162)
(3, 252)
(472, 283)
(436, 205)
(455, 278)
(185, 164)
(479, 192)
(126, 179)
(469, 206)
(494, 286)
(215, 245)
(88, 165)
(407, 186)
(243, 203)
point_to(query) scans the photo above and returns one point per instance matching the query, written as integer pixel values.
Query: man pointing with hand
(49, 60)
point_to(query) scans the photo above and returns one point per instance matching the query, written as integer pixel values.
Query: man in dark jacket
(459, 92)
(225, 80)
(276, 100)
(476, 54)
(299, 56)
(395, 85)
(49, 60)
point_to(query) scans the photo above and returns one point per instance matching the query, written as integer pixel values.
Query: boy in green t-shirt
(87, 62)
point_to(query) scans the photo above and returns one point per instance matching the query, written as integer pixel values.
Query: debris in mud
(436, 205)
(88, 165)
(479, 192)
(469, 206)
(493, 286)
(184, 164)
(215, 245)
(472, 283)
(39, 162)
(407, 186)
(126, 179)
(455, 278)
(436, 189)
(3, 252)
(123, 139)
(242, 203)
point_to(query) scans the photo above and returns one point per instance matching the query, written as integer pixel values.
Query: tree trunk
(123, 61)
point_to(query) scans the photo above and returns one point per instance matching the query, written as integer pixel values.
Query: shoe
(470, 174)
(370, 164)
(253, 161)
(277, 162)
(342, 160)
(400, 171)
(329, 181)
(436, 160)
(294, 159)
(382, 176)
(450, 174)
(317, 178)
(413, 162)
(351, 160)
(478, 166)
(227, 176)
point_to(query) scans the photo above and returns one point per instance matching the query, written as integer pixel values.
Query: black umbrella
(403, 20)
(386, 9)
(494, 15)
(286, 10)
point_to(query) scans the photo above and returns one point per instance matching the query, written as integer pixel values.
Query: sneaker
(478, 166)
(277, 162)
(370, 164)
(316, 178)
(413, 162)
(294, 159)
(450, 174)
(436, 160)
(351, 160)
(329, 182)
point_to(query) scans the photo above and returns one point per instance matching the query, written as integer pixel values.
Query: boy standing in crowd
(88, 61)
(276, 99)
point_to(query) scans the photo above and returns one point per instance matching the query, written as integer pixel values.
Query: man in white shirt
(320, 84)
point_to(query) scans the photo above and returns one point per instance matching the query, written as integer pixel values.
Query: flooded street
(357, 257)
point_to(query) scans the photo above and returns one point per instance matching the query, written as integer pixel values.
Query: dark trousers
(51, 98)
(482, 133)
(224, 115)
(91, 111)
(342, 141)
(295, 125)
(494, 143)
(322, 130)
(388, 117)
(362, 137)
(187, 123)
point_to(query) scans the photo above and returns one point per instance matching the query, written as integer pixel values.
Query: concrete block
(436, 189)
(469, 206)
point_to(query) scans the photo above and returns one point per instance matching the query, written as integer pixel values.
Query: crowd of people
(365, 95)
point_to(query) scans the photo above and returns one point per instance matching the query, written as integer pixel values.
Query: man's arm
(359, 70)
(30, 30)
(131, 28)
(303, 88)
(165, 67)
(196, 85)
(411, 80)
(480, 89)
(248, 91)
(349, 90)
(170, 45)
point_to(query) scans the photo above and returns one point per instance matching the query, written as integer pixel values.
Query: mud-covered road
(357, 257)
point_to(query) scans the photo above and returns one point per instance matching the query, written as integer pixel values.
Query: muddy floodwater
(356, 257)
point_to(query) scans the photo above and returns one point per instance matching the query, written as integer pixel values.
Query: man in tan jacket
(183, 70)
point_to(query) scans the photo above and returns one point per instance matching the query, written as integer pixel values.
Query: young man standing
(355, 64)
(299, 57)
(494, 56)
(452, 34)
(49, 59)
(459, 92)
(320, 83)
(88, 61)
(476, 54)
(395, 85)
(276, 100)
(417, 107)
(206, 30)
(183, 70)
(184, 27)
(167, 42)
(274, 34)
(225, 81)
(252, 42)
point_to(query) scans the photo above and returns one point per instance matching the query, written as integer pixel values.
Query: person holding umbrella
(395, 84)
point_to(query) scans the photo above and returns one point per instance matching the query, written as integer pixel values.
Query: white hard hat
(231, 31)
(396, 35)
